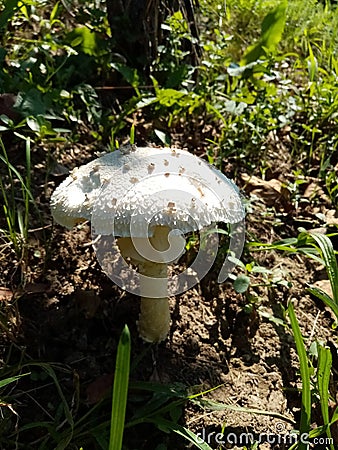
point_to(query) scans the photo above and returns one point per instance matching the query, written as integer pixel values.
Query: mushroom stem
(154, 319)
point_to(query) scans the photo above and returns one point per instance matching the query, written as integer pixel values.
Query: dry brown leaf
(331, 217)
(5, 294)
(271, 192)
(325, 286)
(312, 190)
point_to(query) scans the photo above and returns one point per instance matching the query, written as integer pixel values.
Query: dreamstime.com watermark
(279, 437)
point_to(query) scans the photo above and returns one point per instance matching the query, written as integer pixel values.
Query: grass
(265, 87)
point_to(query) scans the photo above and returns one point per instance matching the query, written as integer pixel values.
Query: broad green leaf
(129, 74)
(241, 284)
(163, 137)
(85, 40)
(8, 12)
(216, 406)
(271, 34)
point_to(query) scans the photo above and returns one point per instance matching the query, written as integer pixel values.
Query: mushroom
(141, 203)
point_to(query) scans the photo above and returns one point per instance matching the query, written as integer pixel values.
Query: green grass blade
(28, 185)
(305, 418)
(319, 293)
(334, 416)
(15, 171)
(6, 381)
(120, 391)
(323, 379)
(330, 261)
(168, 426)
(215, 406)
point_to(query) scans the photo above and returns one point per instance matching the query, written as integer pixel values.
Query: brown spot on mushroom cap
(200, 191)
(181, 170)
(134, 180)
(166, 162)
(125, 168)
(113, 201)
(151, 168)
(167, 174)
(171, 208)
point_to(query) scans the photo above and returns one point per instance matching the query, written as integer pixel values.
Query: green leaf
(33, 103)
(241, 284)
(54, 12)
(305, 418)
(334, 416)
(164, 424)
(216, 406)
(323, 380)
(330, 261)
(120, 391)
(8, 12)
(271, 34)
(129, 74)
(6, 381)
(170, 97)
(312, 64)
(319, 293)
(85, 40)
(163, 137)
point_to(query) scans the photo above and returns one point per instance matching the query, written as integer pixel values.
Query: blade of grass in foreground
(120, 391)
(305, 418)
(168, 426)
(323, 380)
(11, 379)
(330, 261)
(325, 298)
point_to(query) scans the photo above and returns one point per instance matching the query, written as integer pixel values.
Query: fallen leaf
(313, 190)
(99, 387)
(271, 192)
(325, 286)
(331, 217)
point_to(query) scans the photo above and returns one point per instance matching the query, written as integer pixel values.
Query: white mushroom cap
(130, 191)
